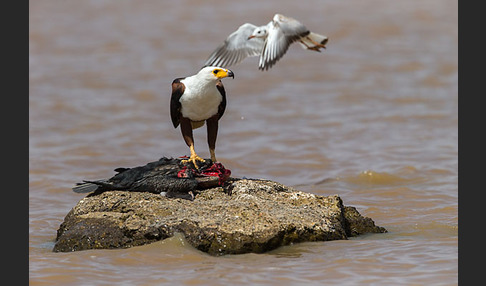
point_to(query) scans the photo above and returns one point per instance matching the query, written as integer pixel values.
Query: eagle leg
(186, 130)
(212, 127)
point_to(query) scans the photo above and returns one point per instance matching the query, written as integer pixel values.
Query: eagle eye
(215, 71)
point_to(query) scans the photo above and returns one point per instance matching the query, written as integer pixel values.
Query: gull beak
(251, 37)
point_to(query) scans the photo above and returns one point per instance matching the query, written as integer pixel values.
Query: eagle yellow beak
(226, 73)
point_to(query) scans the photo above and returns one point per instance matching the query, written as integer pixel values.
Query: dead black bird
(167, 176)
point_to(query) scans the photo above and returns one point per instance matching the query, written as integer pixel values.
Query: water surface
(372, 118)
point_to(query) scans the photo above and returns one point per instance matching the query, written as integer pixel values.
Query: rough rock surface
(246, 215)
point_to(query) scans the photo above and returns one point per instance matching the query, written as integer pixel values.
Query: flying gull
(270, 42)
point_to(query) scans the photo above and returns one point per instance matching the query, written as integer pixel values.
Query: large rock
(244, 216)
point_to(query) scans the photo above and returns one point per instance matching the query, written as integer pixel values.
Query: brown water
(373, 118)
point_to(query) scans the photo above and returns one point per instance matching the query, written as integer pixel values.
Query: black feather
(154, 177)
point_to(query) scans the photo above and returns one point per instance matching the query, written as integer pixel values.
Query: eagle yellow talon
(193, 160)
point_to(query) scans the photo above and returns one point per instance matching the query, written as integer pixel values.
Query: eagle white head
(214, 73)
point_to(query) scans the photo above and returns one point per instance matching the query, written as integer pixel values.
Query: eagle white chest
(200, 100)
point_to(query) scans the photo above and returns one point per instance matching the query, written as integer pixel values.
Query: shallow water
(372, 118)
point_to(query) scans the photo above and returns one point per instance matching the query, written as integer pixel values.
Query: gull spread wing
(282, 32)
(290, 27)
(236, 47)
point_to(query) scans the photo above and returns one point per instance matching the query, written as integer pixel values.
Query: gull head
(260, 32)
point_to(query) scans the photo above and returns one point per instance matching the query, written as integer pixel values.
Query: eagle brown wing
(222, 105)
(175, 105)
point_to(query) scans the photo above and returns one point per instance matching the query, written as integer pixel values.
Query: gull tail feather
(313, 41)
